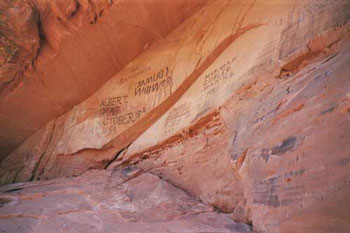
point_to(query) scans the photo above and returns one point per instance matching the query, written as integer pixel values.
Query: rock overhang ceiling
(245, 105)
(54, 54)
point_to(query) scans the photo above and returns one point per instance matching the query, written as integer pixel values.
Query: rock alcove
(175, 116)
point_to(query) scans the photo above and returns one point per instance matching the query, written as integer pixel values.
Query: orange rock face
(245, 105)
(56, 53)
(101, 201)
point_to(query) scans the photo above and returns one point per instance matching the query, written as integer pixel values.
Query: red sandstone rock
(56, 53)
(102, 201)
(128, 104)
(245, 105)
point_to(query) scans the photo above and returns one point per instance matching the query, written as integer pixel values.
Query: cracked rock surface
(108, 201)
(245, 106)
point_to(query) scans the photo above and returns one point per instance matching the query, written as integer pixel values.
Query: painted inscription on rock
(111, 106)
(135, 72)
(211, 83)
(153, 83)
(111, 123)
(215, 77)
(113, 116)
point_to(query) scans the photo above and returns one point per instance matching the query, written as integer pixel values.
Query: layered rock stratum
(245, 106)
(102, 201)
(56, 53)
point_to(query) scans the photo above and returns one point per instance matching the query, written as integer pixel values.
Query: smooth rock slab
(107, 201)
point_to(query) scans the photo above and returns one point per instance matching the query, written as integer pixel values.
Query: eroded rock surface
(103, 201)
(245, 105)
(56, 53)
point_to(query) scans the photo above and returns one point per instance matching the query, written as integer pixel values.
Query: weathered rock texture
(56, 53)
(118, 201)
(245, 105)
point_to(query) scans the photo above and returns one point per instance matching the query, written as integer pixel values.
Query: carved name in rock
(220, 74)
(111, 105)
(128, 103)
(137, 71)
(216, 79)
(281, 157)
(118, 119)
(207, 109)
(158, 81)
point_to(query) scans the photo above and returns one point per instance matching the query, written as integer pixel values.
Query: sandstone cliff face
(56, 53)
(245, 105)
